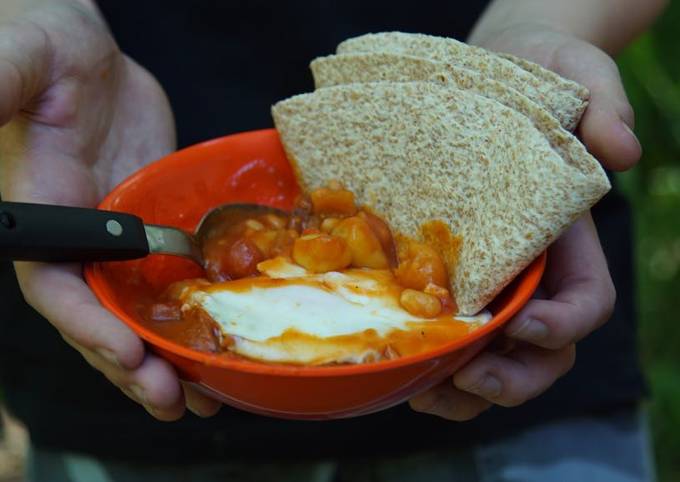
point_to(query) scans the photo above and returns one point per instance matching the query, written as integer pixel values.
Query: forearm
(608, 24)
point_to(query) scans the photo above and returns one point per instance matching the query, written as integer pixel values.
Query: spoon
(44, 232)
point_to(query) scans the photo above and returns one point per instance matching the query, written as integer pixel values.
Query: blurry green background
(651, 73)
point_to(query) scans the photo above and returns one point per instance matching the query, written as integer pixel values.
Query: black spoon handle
(43, 232)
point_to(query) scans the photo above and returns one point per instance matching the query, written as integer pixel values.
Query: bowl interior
(178, 189)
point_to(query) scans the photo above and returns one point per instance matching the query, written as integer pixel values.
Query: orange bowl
(252, 167)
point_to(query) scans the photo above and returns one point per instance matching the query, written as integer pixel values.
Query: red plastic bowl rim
(530, 277)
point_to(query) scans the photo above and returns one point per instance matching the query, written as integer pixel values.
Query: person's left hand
(577, 294)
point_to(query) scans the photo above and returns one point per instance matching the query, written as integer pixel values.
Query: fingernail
(424, 402)
(151, 410)
(488, 387)
(108, 355)
(630, 131)
(139, 394)
(529, 330)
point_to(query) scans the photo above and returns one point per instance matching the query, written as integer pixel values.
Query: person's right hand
(77, 117)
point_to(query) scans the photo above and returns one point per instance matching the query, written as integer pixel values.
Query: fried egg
(289, 315)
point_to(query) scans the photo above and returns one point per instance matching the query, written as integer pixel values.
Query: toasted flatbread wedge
(421, 154)
(564, 99)
(376, 67)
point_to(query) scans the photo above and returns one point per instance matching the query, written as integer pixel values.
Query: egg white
(322, 306)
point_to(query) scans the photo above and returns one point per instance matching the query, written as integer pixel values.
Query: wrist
(607, 24)
(536, 41)
(493, 36)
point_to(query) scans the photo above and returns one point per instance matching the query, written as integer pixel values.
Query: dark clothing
(223, 64)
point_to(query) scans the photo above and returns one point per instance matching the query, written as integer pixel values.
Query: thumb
(25, 68)
(606, 127)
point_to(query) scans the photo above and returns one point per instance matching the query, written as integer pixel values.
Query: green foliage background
(651, 72)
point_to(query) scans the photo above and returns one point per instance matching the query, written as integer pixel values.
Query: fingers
(606, 127)
(580, 288)
(513, 379)
(606, 130)
(607, 122)
(152, 384)
(59, 294)
(507, 380)
(554, 324)
(448, 402)
(198, 403)
(581, 298)
(24, 67)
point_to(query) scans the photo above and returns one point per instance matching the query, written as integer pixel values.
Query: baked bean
(382, 231)
(445, 298)
(420, 304)
(363, 243)
(320, 253)
(419, 265)
(328, 224)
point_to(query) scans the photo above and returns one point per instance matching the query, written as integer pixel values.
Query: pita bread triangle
(423, 152)
(564, 99)
(374, 67)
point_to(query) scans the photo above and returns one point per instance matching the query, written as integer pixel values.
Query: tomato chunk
(237, 259)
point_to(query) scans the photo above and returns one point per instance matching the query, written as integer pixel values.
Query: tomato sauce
(325, 231)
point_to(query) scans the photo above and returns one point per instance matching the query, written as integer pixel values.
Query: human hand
(606, 126)
(576, 295)
(77, 117)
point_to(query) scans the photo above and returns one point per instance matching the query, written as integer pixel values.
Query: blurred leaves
(650, 69)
